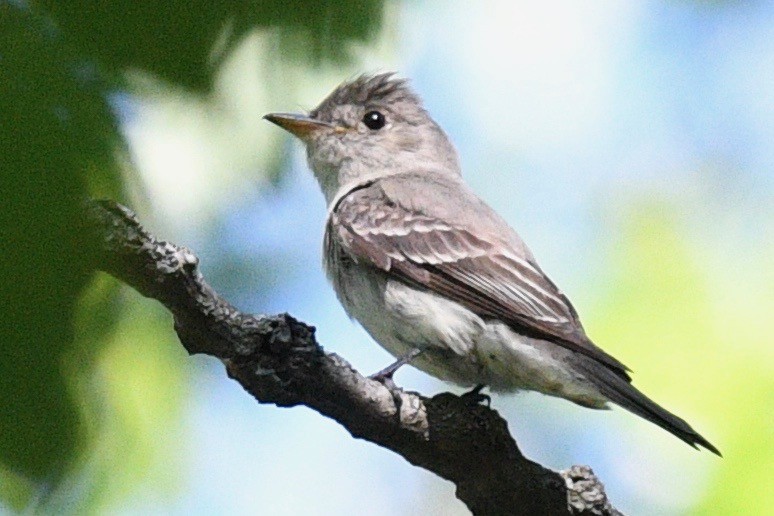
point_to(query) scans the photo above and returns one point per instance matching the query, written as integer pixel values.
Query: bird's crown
(369, 90)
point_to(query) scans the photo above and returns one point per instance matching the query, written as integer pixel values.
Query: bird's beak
(298, 125)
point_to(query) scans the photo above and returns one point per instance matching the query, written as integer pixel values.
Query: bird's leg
(474, 396)
(385, 375)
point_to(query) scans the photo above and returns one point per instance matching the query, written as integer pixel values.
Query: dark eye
(374, 120)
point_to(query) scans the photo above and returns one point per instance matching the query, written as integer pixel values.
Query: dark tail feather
(618, 390)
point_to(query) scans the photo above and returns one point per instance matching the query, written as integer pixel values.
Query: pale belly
(457, 345)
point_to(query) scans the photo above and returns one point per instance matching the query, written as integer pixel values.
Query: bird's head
(369, 127)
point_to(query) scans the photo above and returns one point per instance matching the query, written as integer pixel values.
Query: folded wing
(465, 258)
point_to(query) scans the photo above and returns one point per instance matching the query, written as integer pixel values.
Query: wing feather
(467, 262)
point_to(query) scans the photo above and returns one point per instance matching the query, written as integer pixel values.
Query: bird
(432, 272)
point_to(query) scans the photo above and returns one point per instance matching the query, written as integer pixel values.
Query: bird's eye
(374, 120)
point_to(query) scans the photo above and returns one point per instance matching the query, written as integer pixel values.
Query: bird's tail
(619, 391)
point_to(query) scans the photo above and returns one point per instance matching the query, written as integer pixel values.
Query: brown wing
(466, 261)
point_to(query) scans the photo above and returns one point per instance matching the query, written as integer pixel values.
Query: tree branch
(278, 361)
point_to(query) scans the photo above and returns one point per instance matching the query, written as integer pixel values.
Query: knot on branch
(585, 492)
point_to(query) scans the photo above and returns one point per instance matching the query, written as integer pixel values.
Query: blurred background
(630, 143)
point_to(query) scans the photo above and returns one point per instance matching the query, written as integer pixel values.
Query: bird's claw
(385, 378)
(385, 375)
(475, 397)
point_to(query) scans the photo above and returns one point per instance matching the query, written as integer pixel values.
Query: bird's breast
(401, 317)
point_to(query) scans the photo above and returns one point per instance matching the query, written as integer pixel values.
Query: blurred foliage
(59, 62)
(182, 41)
(136, 387)
(688, 315)
(56, 130)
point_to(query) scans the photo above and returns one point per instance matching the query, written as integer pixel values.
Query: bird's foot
(475, 397)
(385, 375)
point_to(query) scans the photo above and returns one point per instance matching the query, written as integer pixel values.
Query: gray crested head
(370, 127)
